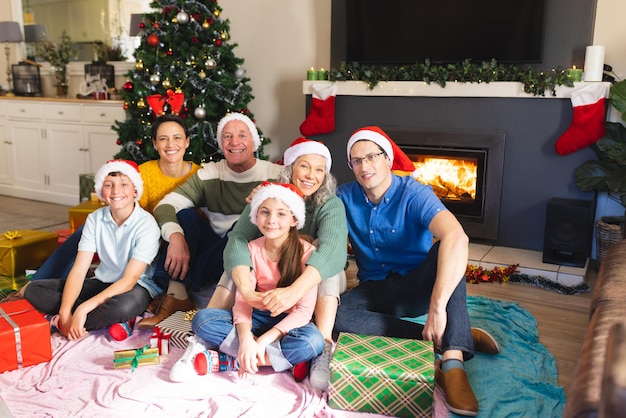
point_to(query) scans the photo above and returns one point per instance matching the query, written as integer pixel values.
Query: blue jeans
(215, 326)
(376, 307)
(60, 262)
(206, 250)
(45, 295)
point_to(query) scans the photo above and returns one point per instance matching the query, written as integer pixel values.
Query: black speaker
(568, 232)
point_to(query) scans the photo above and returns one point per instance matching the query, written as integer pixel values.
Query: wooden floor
(561, 319)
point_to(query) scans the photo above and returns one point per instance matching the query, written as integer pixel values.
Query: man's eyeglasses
(370, 158)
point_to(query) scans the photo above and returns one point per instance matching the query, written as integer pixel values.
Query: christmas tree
(184, 56)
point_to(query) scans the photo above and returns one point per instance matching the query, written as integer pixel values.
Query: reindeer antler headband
(158, 101)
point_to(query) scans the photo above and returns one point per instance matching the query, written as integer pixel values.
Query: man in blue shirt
(391, 224)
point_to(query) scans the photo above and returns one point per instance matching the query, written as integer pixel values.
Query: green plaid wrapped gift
(383, 375)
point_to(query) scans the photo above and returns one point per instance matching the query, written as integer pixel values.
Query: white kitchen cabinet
(6, 150)
(50, 142)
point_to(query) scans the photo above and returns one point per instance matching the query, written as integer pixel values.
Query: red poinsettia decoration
(477, 274)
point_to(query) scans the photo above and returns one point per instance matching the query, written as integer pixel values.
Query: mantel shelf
(452, 89)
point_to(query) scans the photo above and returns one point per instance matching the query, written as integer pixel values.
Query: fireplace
(465, 171)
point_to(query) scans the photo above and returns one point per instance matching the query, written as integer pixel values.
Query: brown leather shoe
(156, 303)
(168, 307)
(484, 342)
(458, 394)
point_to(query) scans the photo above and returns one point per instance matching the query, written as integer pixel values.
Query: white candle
(594, 63)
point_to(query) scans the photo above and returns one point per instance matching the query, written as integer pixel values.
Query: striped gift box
(382, 375)
(179, 326)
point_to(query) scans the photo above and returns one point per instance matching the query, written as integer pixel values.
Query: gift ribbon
(134, 363)
(12, 234)
(18, 335)
(158, 101)
(160, 340)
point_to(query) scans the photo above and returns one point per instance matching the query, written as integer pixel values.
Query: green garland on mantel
(535, 82)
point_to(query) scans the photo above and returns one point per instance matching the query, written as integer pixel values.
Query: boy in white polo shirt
(126, 239)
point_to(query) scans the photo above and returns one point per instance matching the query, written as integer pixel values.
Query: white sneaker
(319, 376)
(183, 369)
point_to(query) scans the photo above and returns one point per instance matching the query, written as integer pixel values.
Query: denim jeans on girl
(215, 326)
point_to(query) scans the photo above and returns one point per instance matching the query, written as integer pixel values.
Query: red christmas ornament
(152, 40)
(155, 25)
(142, 25)
(138, 142)
(195, 39)
(118, 142)
(169, 52)
(125, 106)
(128, 86)
(218, 42)
(195, 16)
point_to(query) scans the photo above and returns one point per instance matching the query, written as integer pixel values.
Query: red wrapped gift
(24, 336)
(160, 340)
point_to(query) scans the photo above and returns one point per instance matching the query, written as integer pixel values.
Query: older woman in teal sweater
(307, 166)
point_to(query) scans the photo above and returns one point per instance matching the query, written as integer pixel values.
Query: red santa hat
(286, 193)
(303, 146)
(256, 140)
(126, 167)
(400, 161)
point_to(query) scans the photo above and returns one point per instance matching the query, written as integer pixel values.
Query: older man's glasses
(370, 158)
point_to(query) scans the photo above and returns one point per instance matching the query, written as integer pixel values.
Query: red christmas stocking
(587, 120)
(321, 117)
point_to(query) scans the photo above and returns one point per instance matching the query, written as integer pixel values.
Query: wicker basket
(609, 230)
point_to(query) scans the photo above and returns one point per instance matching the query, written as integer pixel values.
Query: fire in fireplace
(464, 170)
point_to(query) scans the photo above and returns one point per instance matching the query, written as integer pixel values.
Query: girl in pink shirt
(252, 335)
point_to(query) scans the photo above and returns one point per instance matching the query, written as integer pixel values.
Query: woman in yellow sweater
(170, 138)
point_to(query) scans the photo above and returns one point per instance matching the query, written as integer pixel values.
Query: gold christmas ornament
(141, 104)
(224, 36)
(206, 24)
(202, 74)
(210, 63)
(216, 13)
(155, 79)
(139, 65)
(166, 83)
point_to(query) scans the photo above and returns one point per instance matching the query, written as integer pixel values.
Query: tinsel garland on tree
(185, 49)
(536, 83)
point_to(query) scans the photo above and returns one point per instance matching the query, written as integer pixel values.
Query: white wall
(279, 40)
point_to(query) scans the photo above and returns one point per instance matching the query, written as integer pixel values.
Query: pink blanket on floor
(80, 381)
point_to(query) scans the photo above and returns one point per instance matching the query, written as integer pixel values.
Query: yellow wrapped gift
(130, 359)
(78, 214)
(23, 249)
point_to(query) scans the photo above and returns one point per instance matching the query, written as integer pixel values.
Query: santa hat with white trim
(126, 167)
(399, 160)
(256, 140)
(304, 146)
(286, 193)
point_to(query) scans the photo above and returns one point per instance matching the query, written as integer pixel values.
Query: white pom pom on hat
(126, 167)
(304, 146)
(256, 140)
(286, 193)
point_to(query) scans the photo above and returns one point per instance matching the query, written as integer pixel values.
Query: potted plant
(607, 173)
(58, 54)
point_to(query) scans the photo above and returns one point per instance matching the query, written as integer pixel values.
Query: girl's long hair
(290, 263)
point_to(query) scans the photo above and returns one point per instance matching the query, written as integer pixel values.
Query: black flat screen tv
(401, 32)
